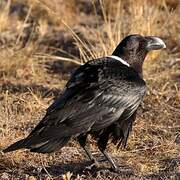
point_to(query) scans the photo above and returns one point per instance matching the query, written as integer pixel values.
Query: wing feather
(97, 94)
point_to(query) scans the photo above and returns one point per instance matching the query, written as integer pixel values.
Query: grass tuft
(42, 41)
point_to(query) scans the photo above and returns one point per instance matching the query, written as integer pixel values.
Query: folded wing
(97, 94)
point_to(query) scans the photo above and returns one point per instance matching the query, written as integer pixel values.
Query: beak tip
(155, 43)
(164, 46)
(160, 42)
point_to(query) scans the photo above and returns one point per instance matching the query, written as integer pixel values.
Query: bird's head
(134, 49)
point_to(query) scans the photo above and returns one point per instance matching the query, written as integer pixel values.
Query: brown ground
(42, 41)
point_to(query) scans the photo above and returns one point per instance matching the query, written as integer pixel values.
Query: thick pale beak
(154, 43)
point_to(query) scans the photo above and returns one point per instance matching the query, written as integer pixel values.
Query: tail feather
(51, 145)
(17, 145)
(43, 146)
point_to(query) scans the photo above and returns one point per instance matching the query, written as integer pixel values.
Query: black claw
(93, 166)
(103, 172)
(123, 170)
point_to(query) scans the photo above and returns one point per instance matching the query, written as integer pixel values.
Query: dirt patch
(33, 36)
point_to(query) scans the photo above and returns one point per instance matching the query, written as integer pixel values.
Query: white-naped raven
(101, 98)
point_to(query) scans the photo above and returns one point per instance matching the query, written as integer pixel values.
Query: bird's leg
(89, 154)
(115, 168)
(82, 142)
(102, 143)
(94, 162)
(110, 160)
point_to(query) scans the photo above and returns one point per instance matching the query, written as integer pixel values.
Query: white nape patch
(119, 59)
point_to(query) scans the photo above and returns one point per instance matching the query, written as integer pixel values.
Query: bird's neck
(135, 62)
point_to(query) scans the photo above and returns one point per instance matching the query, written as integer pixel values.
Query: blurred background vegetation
(42, 41)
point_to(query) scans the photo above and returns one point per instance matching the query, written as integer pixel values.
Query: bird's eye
(131, 50)
(133, 45)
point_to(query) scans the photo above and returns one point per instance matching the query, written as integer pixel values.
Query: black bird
(101, 98)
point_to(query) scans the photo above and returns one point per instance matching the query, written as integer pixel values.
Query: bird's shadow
(76, 168)
(82, 168)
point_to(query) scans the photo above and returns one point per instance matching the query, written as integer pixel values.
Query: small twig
(46, 170)
(171, 107)
(37, 99)
(58, 58)
(25, 21)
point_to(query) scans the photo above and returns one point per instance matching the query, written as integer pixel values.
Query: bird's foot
(94, 165)
(103, 171)
(123, 170)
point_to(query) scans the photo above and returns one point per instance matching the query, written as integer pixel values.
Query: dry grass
(42, 41)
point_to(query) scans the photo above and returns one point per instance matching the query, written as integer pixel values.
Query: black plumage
(101, 98)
